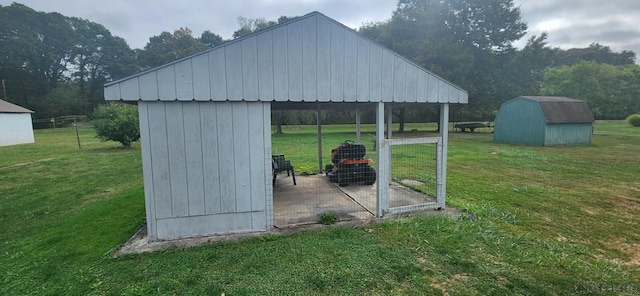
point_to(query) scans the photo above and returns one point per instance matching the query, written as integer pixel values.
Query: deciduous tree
(611, 91)
(168, 47)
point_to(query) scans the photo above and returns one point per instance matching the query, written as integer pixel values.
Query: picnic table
(472, 126)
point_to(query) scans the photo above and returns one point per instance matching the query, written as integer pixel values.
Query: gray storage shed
(205, 119)
(15, 125)
(544, 121)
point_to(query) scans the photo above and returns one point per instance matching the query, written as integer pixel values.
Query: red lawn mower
(350, 165)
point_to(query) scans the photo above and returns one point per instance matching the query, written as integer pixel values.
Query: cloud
(578, 23)
(570, 23)
(136, 21)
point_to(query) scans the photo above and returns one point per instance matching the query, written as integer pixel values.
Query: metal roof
(312, 58)
(563, 109)
(6, 107)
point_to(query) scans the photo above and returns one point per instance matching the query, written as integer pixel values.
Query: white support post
(358, 125)
(389, 122)
(382, 154)
(441, 158)
(389, 135)
(319, 122)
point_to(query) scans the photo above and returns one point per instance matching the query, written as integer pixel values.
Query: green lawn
(536, 221)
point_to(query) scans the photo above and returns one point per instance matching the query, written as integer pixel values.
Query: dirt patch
(25, 163)
(450, 283)
(625, 201)
(631, 250)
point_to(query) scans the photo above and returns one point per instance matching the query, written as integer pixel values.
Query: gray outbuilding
(205, 119)
(15, 125)
(544, 121)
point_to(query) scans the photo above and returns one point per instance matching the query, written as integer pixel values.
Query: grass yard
(536, 221)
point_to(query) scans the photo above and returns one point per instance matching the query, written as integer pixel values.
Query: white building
(15, 125)
(205, 119)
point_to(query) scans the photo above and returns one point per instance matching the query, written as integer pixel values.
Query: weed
(328, 218)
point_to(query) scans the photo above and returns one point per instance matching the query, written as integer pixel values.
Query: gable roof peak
(6, 107)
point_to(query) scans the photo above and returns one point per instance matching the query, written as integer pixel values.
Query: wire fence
(62, 121)
(347, 188)
(413, 175)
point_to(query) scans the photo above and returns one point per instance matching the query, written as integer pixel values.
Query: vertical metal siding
(149, 86)
(184, 80)
(399, 79)
(375, 73)
(149, 195)
(218, 74)
(256, 157)
(337, 63)
(421, 88)
(226, 161)
(312, 59)
(520, 121)
(201, 78)
(309, 59)
(241, 157)
(432, 90)
(350, 66)
(205, 162)
(280, 64)
(159, 153)
(323, 55)
(15, 128)
(411, 81)
(130, 88)
(167, 83)
(250, 69)
(177, 160)
(233, 68)
(443, 91)
(193, 153)
(112, 92)
(294, 58)
(388, 60)
(453, 94)
(210, 157)
(568, 134)
(265, 66)
(363, 70)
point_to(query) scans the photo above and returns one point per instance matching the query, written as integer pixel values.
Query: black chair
(280, 164)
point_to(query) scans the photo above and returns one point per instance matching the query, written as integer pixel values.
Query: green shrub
(117, 122)
(328, 218)
(634, 119)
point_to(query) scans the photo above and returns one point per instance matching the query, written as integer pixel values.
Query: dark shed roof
(563, 110)
(6, 107)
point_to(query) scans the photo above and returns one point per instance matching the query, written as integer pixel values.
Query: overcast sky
(570, 23)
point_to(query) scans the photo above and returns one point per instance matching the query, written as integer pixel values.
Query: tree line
(57, 65)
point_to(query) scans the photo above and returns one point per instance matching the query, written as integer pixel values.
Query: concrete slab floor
(314, 195)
